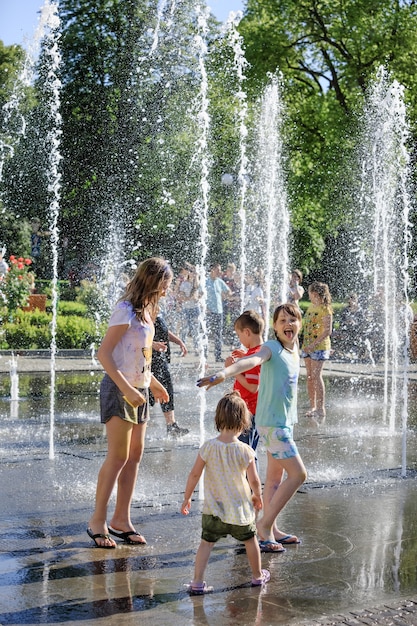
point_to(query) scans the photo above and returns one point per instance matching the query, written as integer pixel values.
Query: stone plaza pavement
(356, 563)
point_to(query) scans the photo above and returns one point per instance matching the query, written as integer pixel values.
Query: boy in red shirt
(249, 327)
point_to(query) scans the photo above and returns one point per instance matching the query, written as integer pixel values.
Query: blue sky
(18, 18)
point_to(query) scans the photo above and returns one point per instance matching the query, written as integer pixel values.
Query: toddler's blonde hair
(232, 413)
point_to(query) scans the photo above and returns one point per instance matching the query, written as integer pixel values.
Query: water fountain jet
(384, 236)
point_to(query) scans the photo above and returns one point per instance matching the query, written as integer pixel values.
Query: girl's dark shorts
(214, 529)
(113, 404)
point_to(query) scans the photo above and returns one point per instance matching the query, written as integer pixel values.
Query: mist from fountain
(380, 254)
(201, 205)
(53, 89)
(14, 388)
(240, 64)
(15, 125)
(264, 238)
(270, 225)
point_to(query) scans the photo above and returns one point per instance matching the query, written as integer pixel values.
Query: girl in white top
(125, 354)
(229, 506)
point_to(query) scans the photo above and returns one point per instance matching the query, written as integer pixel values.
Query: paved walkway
(359, 532)
(81, 360)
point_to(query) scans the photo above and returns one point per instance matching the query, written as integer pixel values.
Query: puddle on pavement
(356, 516)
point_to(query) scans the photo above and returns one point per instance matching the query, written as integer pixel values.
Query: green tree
(129, 125)
(328, 53)
(11, 59)
(15, 102)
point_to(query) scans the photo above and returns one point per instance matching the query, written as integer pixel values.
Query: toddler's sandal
(259, 582)
(199, 589)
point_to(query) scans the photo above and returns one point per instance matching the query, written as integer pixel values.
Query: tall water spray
(53, 88)
(201, 205)
(14, 388)
(268, 235)
(15, 128)
(160, 13)
(240, 65)
(384, 236)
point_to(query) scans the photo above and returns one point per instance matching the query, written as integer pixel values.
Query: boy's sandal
(199, 589)
(259, 582)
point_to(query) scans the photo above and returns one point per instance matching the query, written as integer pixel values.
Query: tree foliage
(328, 53)
(130, 124)
(131, 119)
(11, 59)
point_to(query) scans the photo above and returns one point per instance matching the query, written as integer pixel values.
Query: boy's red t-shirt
(252, 376)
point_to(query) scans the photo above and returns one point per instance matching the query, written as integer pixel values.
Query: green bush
(33, 318)
(72, 308)
(94, 298)
(32, 331)
(67, 292)
(75, 332)
(24, 335)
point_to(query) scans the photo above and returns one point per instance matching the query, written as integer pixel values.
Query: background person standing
(216, 291)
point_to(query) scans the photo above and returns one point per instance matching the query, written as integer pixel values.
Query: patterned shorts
(112, 403)
(278, 441)
(317, 355)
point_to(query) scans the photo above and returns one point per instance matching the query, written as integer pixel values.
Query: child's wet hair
(299, 275)
(252, 320)
(145, 287)
(290, 309)
(322, 290)
(232, 413)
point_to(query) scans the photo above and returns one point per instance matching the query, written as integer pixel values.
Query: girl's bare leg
(118, 443)
(311, 390)
(169, 417)
(126, 482)
(278, 491)
(316, 371)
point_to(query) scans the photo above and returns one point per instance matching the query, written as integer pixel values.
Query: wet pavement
(356, 515)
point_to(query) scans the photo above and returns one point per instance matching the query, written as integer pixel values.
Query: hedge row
(32, 331)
